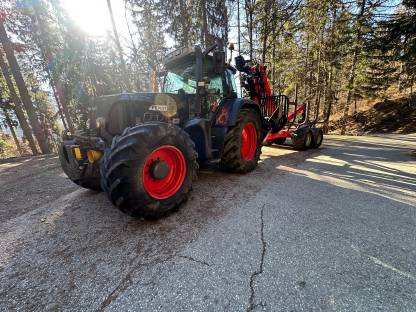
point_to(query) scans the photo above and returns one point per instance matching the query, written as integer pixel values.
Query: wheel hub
(159, 169)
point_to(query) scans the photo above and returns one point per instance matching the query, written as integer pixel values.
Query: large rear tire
(242, 143)
(149, 169)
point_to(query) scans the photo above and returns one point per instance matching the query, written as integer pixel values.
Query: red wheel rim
(168, 185)
(249, 141)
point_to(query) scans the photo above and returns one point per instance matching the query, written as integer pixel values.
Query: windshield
(177, 84)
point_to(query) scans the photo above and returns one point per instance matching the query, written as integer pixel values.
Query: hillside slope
(389, 116)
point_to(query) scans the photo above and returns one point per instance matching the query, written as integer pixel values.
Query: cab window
(177, 84)
(230, 80)
(216, 84)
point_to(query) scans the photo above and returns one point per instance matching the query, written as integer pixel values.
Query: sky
(93, 16)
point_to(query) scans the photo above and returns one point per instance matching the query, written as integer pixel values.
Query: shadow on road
(368, 167)
(343, 226)
(80, 250)
(61, 249)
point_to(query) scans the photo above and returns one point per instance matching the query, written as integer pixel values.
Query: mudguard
(225, 117)
(200, 132)
(227, 112)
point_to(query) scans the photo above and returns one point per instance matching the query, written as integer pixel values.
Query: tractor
(144, 149)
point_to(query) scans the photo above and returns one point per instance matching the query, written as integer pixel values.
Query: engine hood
(129, 109)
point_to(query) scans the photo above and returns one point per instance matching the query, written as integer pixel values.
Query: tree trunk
(62, 107)
(184, 21)
(24, 94)
(249, 17)
(266, 31)
(305, 90)
(46, 53)
(329, 98)
(263, 53)
(351, 78)
(27, 131)
(273, 63)
(318, 81)
(120, 50)
(204, 26)
(9, 123)
(350, 87)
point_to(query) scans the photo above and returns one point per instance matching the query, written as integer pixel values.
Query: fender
(200, 132)
(227, 112)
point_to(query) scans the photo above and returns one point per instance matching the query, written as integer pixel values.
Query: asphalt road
(332, 229)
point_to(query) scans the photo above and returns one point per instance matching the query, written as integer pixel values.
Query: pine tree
(27, 131)
(24, 94)
(397, 38)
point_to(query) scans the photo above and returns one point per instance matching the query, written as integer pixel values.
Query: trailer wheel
(302, 142)
(242, 143)
(149, 169)
(318, 139)
(87, 177)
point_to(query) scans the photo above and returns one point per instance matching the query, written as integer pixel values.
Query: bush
(7, 148)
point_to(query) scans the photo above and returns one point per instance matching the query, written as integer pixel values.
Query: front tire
(242, 143)
(87, 176)
(149, 170)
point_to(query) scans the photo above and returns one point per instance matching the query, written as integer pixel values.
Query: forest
(337, 54)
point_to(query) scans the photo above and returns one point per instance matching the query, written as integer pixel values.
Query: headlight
(94, 156)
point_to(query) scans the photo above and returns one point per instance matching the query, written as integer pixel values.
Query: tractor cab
(201, 74)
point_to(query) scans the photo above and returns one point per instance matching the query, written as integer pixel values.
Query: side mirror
(219, 62)
(240, 63)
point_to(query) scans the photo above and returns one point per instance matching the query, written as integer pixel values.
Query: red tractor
(286, 120)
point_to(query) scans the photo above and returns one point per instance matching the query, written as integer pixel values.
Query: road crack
(127, 281)
(259, 271)
(194, 260)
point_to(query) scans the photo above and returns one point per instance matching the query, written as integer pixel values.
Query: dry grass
(389, 116)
